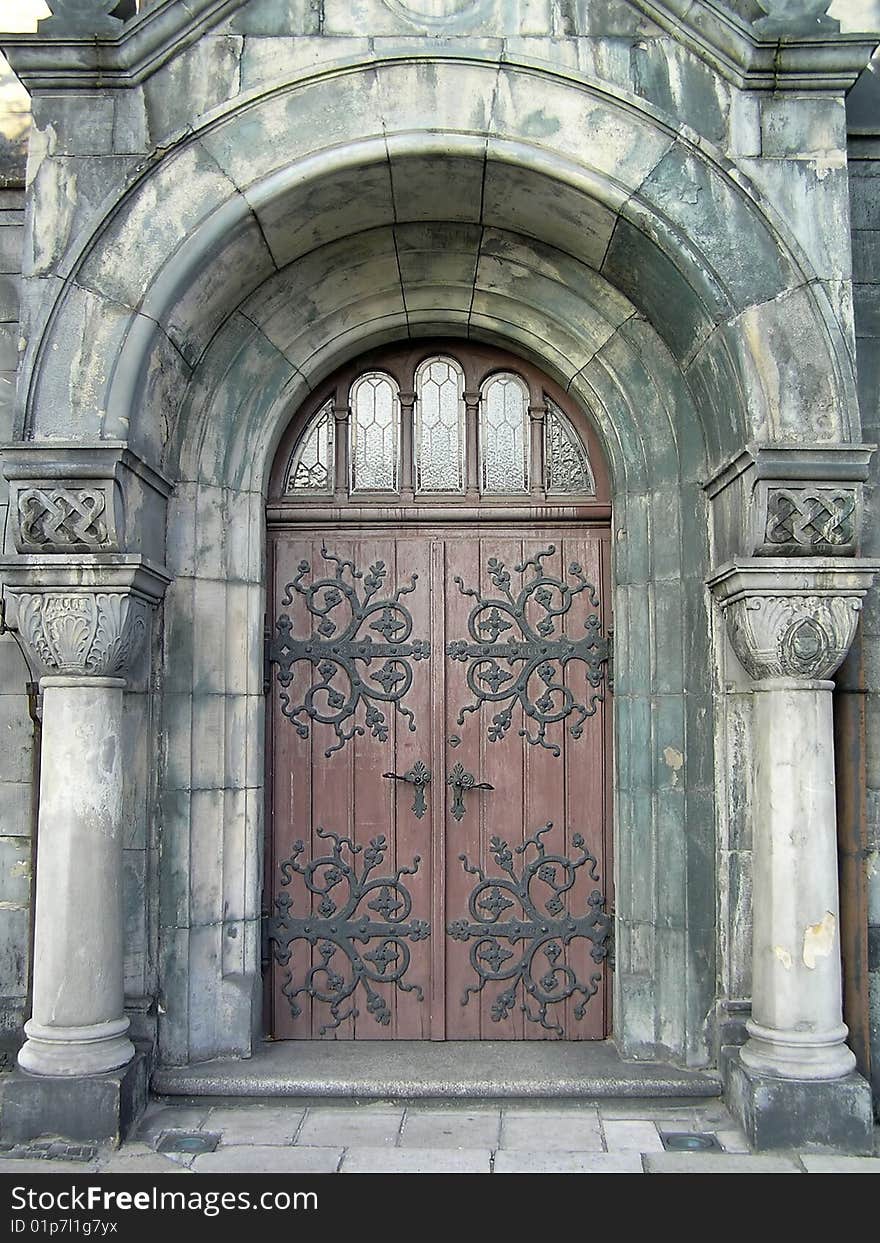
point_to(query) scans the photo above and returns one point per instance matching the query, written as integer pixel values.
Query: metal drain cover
(192, 1143)
(690, 1141)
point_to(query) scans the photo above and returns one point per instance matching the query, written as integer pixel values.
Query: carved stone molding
(790, 501)
(81, 616)
(81, 17)
(795, 17)
(792, 620)
(70, 497)
(82, 633)
(792, 636)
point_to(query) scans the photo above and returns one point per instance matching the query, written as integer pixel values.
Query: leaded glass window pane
(375, 433)
(439, 426)
(504, 434)
(311, 466)
(566, 462)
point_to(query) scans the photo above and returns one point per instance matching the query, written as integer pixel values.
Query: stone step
(453, 1070)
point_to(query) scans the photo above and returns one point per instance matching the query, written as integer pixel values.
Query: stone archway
(234, 275)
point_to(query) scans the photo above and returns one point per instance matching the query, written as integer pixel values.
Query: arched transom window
(431, 424)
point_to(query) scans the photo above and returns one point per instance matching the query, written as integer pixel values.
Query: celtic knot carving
(338, 646)
(521, 632)
(542, 930)
(336, 928)
(812, 519)
(93, 634)
(63, 518)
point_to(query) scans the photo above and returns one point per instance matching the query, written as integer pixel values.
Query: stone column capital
(80, 619)
(792, 620)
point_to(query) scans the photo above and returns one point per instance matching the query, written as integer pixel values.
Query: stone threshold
(453, 1070)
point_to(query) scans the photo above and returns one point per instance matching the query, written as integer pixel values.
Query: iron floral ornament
(542, 930)
(336, 930)
(342, 653)
(521, 632)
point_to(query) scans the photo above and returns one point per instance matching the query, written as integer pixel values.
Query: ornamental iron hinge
(611, 943)
(610, 661)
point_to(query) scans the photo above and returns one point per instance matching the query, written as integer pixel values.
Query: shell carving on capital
(83, 633)
(792, 636)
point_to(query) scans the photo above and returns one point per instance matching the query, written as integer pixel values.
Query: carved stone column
(82, 634)
(791, 628)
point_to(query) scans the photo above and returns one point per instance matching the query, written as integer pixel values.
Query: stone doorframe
(200, 381)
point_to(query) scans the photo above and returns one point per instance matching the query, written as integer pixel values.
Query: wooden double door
(439, 858)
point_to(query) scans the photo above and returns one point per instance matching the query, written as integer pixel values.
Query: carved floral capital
(82, 633)
(792, 636)
(792, 622)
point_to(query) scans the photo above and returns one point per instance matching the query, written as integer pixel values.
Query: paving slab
(416, 1161)
(828, 1163)
(268, 1159)
(631, 1135)
(28, 1166)
(718, 1163)
(137, 1158)
(524, 1162)
(255, 1125)
(170, 1118)
(443, 1128)
(732, 1141)
(568, 1131)
(351, 1127)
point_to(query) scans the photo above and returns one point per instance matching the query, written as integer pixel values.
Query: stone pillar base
(800, 1113)
(102, 1108)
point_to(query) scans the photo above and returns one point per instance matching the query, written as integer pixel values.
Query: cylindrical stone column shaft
(797, 1029)
(78, 1025)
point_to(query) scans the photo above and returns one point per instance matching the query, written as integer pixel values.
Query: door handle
(460, 780)
(419, 776)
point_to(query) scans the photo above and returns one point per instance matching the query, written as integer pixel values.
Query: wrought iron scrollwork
(336, 929)
(420, 777)
(544, 928)
(338, 646)
(532, 650)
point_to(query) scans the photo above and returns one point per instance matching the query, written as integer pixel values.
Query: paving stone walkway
(424, 1137)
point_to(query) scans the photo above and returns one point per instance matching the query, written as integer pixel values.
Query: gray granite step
(457, 1070)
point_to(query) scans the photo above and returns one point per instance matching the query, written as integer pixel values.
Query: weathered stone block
(8, 347)
(174, 874)
(797, 1113)
(11, 240)
(10, 297)
(277, 17)
(655, 285)
(79, 124)
(16, 732)
(267, 59)
(16, 808)
(96, 1107)
(314, 212)
(204, 75)
(803, 126)
(15, 868)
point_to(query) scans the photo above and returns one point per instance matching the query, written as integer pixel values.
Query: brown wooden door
(440, 830)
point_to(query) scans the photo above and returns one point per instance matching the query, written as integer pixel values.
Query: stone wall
(16, 730)
(864, 177)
